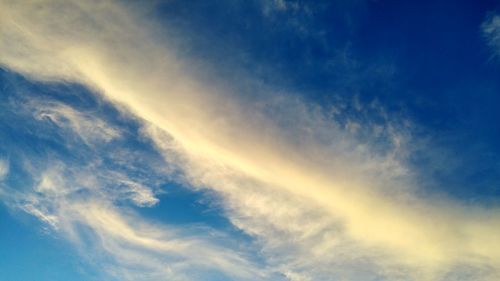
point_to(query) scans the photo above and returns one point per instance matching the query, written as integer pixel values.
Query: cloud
(81, 205)
(90, 129)
(139, 194)
(491, 30)
(323, 201)
(89, 196)
(279, 5)
(4, 169)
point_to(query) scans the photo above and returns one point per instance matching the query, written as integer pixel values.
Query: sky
(249, 140)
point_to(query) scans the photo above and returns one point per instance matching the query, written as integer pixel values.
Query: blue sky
(249, 140)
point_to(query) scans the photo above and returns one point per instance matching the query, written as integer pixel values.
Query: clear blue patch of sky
(180, 205)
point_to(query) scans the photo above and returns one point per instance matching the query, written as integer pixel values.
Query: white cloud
(491, 30)
(80, 206)
(139, 194)
(89, 128)
(4, 169)
(323, 202)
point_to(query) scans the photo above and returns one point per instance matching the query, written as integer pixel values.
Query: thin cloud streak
(272, 181)
(88, 128)
(491, 30)
(4, 169)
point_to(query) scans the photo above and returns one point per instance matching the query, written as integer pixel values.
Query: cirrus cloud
(321, 199)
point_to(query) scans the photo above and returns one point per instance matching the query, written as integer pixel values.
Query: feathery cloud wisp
(88, 128)
(4, 169)
(88, 202)
(491, 30)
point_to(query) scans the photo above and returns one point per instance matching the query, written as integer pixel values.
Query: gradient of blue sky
(249, 140)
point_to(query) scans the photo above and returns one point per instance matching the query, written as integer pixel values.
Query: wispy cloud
(491, 30)
(131, 241)
(322, 200)
(90, 201)
(85, 126)
(4, 169)
(80, 203)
